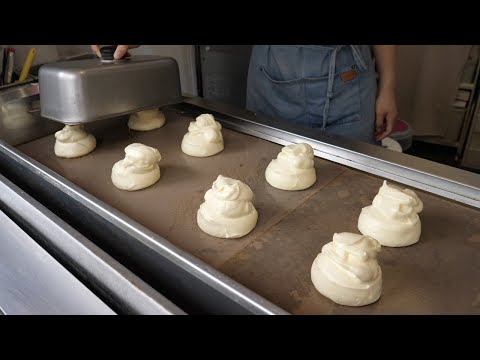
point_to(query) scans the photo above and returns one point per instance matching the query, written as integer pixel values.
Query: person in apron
(333, 88)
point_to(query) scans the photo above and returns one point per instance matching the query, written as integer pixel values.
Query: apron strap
(357, 55)
(331, 76)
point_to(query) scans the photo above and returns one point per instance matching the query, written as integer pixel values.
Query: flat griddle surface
(440, 274)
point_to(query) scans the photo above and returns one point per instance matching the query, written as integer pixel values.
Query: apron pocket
(286, 97)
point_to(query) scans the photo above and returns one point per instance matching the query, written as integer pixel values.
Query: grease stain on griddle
(474, 239)
(342, 194)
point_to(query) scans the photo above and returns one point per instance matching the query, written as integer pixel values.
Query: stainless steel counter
(72, 255)
(153, 233)
(19, 121)
(33, 282)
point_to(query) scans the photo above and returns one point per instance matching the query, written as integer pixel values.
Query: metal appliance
(81, 91)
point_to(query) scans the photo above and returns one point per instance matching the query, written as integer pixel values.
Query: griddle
(438, 275)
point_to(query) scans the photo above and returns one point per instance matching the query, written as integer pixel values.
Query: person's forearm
(385, 62)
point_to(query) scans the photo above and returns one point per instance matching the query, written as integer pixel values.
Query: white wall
(427, 82)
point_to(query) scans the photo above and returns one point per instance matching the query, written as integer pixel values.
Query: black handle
(108, 51)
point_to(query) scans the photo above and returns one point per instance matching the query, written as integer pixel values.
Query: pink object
(403, 134)
(401, 126)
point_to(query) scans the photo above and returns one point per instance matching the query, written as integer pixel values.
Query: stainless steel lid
(80, 91)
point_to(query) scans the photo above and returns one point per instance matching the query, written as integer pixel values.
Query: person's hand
(386, 114)
(119, 53)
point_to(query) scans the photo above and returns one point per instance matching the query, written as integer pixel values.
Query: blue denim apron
(328, 87)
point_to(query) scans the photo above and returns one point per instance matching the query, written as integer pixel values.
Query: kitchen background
(436, 87)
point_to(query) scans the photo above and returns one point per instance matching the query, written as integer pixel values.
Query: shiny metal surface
(30, 79)
(223, 72)
(17, 122)
(82, 91)
(449, 182)
(32, 282)
(119, 287)
(190, 283)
